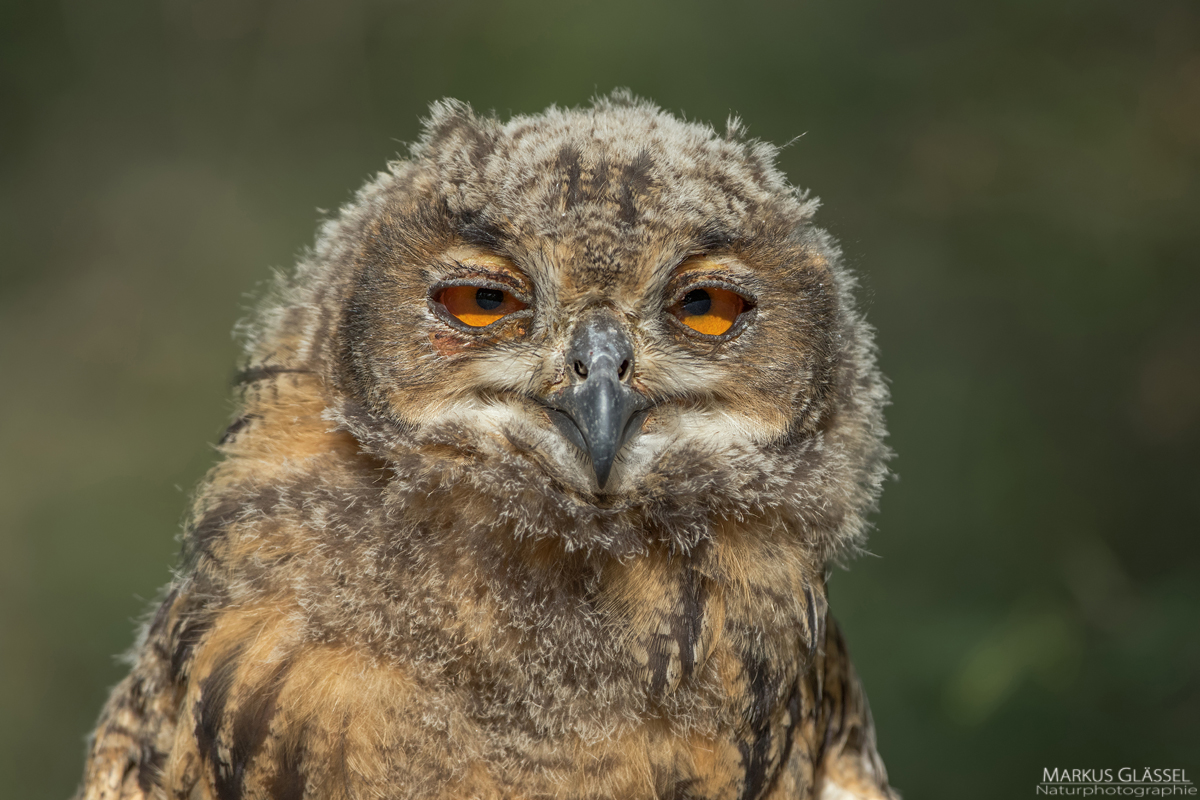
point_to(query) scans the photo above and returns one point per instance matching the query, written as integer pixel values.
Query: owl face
(593, 300)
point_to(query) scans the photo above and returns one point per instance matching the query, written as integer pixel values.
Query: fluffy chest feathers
(559, 671)
(437, 573)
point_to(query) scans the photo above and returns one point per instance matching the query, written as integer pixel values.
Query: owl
(541, 459)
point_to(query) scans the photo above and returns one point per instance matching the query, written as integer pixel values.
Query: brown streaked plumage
(541, 458)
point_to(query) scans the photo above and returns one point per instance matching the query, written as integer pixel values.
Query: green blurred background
(1016, 183)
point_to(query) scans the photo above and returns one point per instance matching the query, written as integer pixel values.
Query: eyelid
(704, 283)
(481, 282)
(469, 266)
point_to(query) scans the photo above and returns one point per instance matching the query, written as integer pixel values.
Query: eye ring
(475, 306)
(712, 310)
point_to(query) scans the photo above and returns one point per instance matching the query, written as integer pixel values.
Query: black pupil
(696, 303)
(487, 299)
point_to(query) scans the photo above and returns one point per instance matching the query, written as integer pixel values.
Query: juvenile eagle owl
(541, 457)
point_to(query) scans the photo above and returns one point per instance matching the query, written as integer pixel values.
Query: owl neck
(424, 558)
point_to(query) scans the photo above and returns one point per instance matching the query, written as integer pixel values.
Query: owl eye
(478, 306)
(711, 310)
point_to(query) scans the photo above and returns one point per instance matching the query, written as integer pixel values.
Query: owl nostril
(623, 370)
(580, 369)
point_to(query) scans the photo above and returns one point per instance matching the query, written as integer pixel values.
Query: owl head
(604, 325)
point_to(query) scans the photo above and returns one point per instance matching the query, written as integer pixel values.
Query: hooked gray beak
(599, 410)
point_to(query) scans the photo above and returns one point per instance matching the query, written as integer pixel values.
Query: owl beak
(599, 410)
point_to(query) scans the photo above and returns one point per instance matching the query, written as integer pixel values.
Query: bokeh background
(1016, 183)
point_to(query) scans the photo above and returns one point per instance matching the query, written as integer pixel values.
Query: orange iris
(711, 310)
(477, 306)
